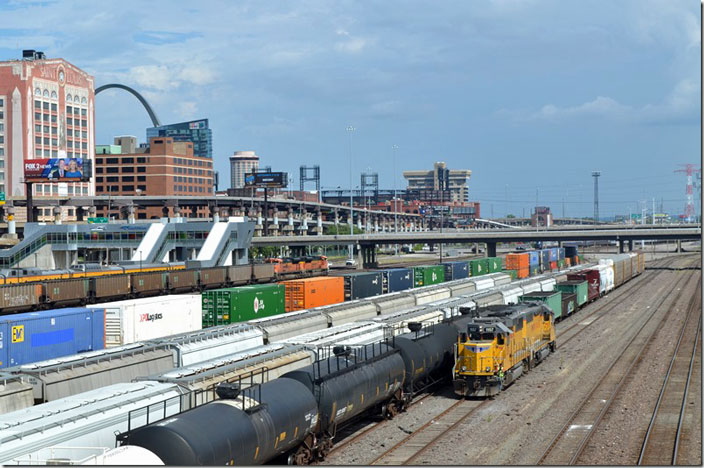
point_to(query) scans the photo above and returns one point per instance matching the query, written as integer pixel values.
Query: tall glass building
(196, 131)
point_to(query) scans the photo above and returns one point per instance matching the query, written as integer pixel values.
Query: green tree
(341, 229)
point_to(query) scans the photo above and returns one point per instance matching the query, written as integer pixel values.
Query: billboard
(266, 179)
(58, 169)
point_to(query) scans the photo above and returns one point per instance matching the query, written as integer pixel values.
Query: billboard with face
(56, 169)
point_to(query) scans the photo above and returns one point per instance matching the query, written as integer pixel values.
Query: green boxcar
(494, 264)
(580, 288)
(427, 275)
(479, 267)
(231, 305)
(552, 299)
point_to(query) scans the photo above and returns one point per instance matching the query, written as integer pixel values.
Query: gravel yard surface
(518, 424)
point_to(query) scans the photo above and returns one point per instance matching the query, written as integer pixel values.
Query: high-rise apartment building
(241, 163)
(440, 180)
(196, 131)
(46, 111)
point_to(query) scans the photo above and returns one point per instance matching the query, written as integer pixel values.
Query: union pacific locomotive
(499, 343)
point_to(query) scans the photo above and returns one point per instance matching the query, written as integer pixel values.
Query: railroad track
(661, 442)
(411, 447)
(566, 447)
(583, 322)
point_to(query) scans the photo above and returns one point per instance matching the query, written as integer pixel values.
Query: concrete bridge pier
(288, 229)
(297, 250)
(319, 222)
(57, 214)
(274, 226)
(630, 245)
(679, 246)
(368, 253)
(303, 227)
(259, 227)
(131, 209)
(490, 249)
(376, 224)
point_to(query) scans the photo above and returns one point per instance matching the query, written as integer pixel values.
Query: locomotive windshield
(477, 333)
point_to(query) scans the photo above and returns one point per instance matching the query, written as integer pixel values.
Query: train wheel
(323, 449)
(303, 456)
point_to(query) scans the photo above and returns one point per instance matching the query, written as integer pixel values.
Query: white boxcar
(212, 343)
(548, 284)
(431, 294)
(15, 393)
(349, 334)
(482, 283)
(245, 368)
(74, 427)
(279, 327)
(393, 302)
(461, 287)
(486, 298)
(499, 278)
(347, 312)
(152, 317)
(511, 294)
(606, 278)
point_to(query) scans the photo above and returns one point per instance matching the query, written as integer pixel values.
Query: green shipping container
(479, 267)
(580, 288)
(560, 264)
(427, 275)
(494, 264)
(552, 299)
(231, 305)
(512, 273)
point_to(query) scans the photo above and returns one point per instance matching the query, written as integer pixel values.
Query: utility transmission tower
(691, 170)
(596, 175)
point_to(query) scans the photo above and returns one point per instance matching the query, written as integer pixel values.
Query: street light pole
(351, 129)
(394, 148)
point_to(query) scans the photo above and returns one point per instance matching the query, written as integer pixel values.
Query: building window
(46, 140)
(69, 120)
(141, 178)
(99, 161)
(84, 145)
(112, 170)
(69, 144)
(141, 169)
(98, 188)
(75, 111)
(111, 161)
(53, 118)
(37, 116)
(38, 140)
(84, 123)
(141, 160)
(128, 169)
(83, 112)
(54, 130)
(112, 179)
(128, 188)
(2, 103)
(98, 170)
(142, 187)
(54, 107)
(47, 153)
(37, 104)
(128, 178)
(45, 105)
(54, 153)
(98, 179)
(54, 141)
(68, 108)
(127, 160)
(37, 152)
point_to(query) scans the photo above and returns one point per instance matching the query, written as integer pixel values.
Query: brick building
(46, 111)
(166, 168)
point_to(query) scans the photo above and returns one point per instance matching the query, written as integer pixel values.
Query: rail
(602, 394)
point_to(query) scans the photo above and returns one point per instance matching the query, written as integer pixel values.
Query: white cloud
(198, 75)
(187, 109)
(352, 46)
(157, 77)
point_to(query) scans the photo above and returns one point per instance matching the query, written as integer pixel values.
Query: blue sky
(531, 95)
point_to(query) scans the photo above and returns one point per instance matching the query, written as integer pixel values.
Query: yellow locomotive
(500, 343)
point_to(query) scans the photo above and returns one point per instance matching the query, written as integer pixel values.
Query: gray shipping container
(397, 279)
(361, 285)
(456, 270)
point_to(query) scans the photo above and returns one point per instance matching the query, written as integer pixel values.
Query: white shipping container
(148, 318)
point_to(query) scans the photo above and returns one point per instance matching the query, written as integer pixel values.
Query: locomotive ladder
(411, 447)
(566, 447)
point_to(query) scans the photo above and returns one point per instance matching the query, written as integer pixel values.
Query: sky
(530, 95)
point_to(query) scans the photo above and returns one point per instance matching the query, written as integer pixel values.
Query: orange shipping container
(568, 262)
(553, 266)
(517, 261)
(313, 292)
(523, 272)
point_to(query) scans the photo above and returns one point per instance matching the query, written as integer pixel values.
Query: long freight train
(151, 281)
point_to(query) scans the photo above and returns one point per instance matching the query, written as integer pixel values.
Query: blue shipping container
(560, 253)
(38, 336)
(553, 254)
(533, 257)
(534, 270)
(456, 270)
(399, 279)
(545, 259)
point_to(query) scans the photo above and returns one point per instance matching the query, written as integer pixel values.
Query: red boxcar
(592, 279)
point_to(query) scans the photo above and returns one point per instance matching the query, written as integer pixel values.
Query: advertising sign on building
(266, 179)
(57, 170)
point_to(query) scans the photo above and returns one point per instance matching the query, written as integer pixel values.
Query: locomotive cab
(479, 359)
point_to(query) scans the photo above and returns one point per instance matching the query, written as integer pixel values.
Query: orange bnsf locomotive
(499, 344)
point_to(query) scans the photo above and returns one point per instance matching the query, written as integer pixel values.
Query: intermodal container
(568, 262)
(553, 254)
(456, 270)
(570, 251)
(512, 273)
(494, 264)
(397, 279)
(560, 253)
(479, 266)
(517, 261)
(534, 270)
(553, 266)
(552, 299)
(427, 275)
(523, 273)
(361, 285)
(533, 257)
(148, 318)
(545, 260)
(230, 305)
(592, 279)
(39, 336)
(578, 287)
(313, 292)
(561, 264)
(569, 304)
(575, 260)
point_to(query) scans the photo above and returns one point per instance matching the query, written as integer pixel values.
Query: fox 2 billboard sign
(266, 179)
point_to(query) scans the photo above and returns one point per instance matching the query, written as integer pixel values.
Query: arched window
(37, 91)
(69, 98)
(53, 95)
(83, 100)
(46, 93)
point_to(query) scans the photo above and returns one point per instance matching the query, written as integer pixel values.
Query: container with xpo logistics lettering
(148, 318)
(231, 305)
